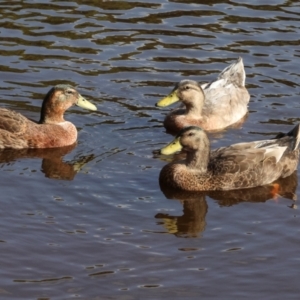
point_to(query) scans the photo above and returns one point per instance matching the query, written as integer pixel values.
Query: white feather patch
(276, 152)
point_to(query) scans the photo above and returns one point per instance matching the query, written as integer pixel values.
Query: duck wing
(220, 93)
(227, 96)
(12, 122)
(237, 162)
(276, 155)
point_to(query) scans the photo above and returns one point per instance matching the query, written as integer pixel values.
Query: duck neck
(192, 109)
(198, 159)
(195, 106)
(50, 115)
(50, 112)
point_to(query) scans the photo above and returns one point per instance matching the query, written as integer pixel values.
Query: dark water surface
(91, 222)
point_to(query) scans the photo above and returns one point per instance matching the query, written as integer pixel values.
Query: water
(91, 222)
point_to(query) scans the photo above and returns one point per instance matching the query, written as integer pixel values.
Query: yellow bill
(171, 148)
(170, 99)
(82, 102)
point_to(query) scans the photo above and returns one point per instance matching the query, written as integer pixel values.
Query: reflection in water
(53, 165)
(124, 55)
(192, 222)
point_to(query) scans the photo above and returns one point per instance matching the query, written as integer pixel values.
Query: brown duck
(18, 132)
(212, 106)
(238, 166)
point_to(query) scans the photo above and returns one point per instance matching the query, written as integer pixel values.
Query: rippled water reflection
(91, 222)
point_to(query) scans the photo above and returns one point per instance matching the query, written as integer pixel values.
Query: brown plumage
(238, 166)
(212, 106)
(17, 132)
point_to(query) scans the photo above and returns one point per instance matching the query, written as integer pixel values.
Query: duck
(238, 166)
(212, 106)
(51, 131)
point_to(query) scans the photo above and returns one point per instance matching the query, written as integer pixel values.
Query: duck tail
(295, 133)
(234, 73)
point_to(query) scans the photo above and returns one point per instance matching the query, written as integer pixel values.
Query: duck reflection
(52, 165)
(192, 223)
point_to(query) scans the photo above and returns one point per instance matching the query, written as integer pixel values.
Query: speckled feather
(238, 166)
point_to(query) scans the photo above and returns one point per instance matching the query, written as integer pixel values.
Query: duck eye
(191, 134)
(69, 92)
(187, 87)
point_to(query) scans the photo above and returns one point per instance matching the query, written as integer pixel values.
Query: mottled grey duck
(238, 166)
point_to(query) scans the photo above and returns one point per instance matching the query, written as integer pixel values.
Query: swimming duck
(212, 106)
(18, 132)
(238, 166)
